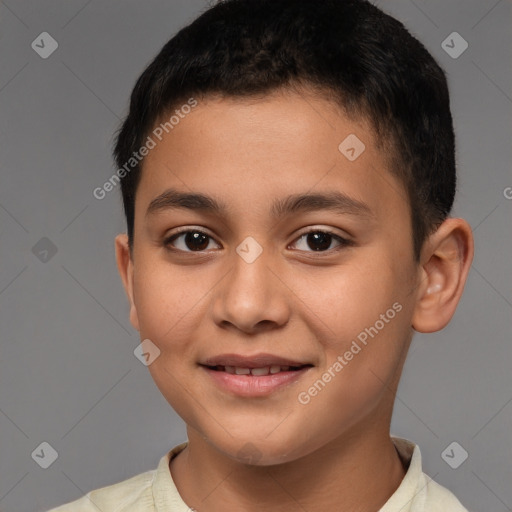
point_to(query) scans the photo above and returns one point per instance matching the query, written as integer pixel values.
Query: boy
(262, 131)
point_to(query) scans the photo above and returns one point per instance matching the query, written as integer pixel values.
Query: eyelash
(343, 242)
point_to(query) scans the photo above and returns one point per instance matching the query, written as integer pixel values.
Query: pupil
(196, 241)
(322, 241)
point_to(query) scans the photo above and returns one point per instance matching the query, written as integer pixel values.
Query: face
(281, 297)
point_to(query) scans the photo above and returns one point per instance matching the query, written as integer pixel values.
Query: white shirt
(155, 491)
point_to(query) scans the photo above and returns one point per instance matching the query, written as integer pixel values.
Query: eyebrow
(334, 201)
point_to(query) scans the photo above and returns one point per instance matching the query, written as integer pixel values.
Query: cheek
(167, 299)
(352, 297)
(364, 311)
(358, 373)
(168, 306)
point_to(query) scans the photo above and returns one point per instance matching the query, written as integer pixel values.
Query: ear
(445, 261)
(125, 267)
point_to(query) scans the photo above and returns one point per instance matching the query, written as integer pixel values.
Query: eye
(192, 240)
(320, 241)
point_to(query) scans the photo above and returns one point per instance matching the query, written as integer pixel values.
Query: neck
(356, 472)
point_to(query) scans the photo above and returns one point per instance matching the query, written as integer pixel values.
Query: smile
(257, 372)
(258, 375)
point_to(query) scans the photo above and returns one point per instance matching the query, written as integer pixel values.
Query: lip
(255, 361)
(251, 385)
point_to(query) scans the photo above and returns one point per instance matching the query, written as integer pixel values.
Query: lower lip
(252, 385)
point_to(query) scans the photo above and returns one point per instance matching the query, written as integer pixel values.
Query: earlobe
(125, 268)
(445, 262)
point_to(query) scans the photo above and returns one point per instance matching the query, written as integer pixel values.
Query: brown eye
(189, 241)
(320, 241)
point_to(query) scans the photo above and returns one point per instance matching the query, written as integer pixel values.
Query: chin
(260, 452)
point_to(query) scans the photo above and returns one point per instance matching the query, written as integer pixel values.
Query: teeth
(265, 370)
(260, 371)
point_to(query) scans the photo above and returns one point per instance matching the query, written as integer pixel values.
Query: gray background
(68, 375)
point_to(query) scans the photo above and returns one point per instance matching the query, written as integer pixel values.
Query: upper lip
(254, 361)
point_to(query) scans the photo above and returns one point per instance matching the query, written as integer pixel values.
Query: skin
(334, 453)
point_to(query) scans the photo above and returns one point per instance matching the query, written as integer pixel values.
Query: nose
(251, 298)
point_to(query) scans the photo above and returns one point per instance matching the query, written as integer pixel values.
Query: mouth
(253, 376)
(258, 372)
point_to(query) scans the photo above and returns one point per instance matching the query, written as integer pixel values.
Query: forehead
(246, 151)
